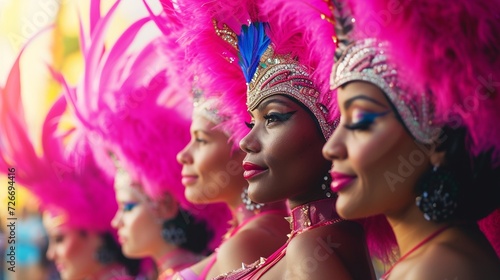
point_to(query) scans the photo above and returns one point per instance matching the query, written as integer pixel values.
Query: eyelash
(128, 206)
(58, 238)
(273, 117)
(367, 120)
(199, 140)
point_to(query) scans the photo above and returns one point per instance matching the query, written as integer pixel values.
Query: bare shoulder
(449, 260)
(312, 255)
(248, 245)
(330, 236)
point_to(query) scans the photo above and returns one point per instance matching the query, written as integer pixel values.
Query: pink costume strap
(184, 268)
(187, 274)
(303, 218)
(204, 273)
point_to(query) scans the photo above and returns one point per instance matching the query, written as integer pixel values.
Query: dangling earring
(249, 204)
(325, 186)
(439, 191)
(174, 230)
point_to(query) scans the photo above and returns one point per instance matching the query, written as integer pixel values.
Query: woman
(157, 227)
(397, 152)
(132, 109)
(286, 98)
(76, 196)
(86, 254)
(212, 160)
(257, 230)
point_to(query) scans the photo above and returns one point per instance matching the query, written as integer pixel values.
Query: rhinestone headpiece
(369, 60)
(284, 75)
(207, 107)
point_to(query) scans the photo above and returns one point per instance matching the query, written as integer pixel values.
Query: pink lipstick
(340, 180)
(189, 179)
(252, 170)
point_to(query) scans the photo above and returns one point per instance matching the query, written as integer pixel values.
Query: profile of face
(72, 250)
(211, 172)
(376, 163)
(284, 159)
(137, 223)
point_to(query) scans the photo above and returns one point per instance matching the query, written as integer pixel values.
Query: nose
(335, 148)
(116, 222)
(184, 156)
(50, 252)
(249, 143)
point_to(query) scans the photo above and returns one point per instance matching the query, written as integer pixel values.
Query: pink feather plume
(65, 177)
(451, 49)
(134, 105)
(214, 62)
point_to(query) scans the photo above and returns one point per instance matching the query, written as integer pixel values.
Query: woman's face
(73, 251)
(138, 226)
(283, 149)
(210, 172)
(375, 161)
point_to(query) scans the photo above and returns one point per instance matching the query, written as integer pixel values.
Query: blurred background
(58, 47)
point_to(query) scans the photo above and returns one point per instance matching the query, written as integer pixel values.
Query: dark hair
(477, 178)
(197, 233)
(110, 245)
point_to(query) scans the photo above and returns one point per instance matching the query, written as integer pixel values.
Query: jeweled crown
(207, 107)
(283, 75)
(369, 60)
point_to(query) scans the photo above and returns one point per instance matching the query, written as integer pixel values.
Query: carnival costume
(73, 191)
(279, 53)
(436, 62)
(213, 75)
(129, 103)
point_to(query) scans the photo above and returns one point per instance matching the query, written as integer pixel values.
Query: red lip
(252, 170)
(59, 267)
(340, 180)
(121, 239)
(189, 179)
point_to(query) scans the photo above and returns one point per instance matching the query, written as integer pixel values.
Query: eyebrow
(349, 102)
(265, 103)
(202, 131)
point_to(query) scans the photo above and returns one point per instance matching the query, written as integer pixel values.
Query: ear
(167, 207)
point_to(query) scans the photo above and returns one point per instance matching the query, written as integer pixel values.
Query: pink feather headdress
(216, 43)
(300, 31)
(456, 58)
(213, 64)
(65, 177)
(131, 105)
(449, 53)
(286, 50)
(248, 28)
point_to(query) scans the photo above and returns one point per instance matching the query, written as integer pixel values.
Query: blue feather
(252, 43)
